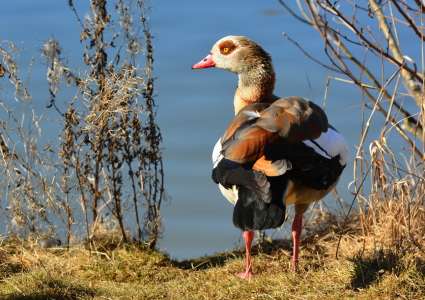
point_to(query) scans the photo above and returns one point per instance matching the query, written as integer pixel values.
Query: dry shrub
(105, 163)
(394, 211)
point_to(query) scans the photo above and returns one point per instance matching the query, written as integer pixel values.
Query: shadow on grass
(370, 267)
(54, 289)
(324, 227)
(6, 269)
(269, 247)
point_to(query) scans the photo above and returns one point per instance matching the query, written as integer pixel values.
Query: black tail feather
(252, 213)
(231, 173)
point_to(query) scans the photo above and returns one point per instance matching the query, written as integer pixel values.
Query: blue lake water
(196, 105)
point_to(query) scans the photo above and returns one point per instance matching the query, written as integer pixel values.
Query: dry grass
(381, 248)
(364, 271)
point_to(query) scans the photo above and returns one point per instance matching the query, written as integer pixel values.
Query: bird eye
(225, 49)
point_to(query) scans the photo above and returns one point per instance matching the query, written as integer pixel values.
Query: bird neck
(256, 85)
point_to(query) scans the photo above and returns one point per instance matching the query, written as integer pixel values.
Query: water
(196, 105)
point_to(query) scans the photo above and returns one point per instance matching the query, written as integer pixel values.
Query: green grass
(132, 272)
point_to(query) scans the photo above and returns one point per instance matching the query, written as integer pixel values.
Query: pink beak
(207, 62)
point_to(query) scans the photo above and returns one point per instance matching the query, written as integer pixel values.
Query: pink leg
(297, 227)
(248, 236)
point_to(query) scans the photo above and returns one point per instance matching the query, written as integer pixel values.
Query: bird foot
(295, 267)
(246, 275)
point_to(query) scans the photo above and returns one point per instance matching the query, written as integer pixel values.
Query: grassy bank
(365, 270)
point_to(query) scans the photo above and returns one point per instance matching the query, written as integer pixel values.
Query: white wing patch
(330, 144)
(216, 155)
(229, 194)
(316, 148)
(252, 114)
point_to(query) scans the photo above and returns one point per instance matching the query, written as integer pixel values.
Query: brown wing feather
(240, 119)
(290, 119)
(272, 168)
(294, 119)
(248, 145)
(244, 141)
(233, 126)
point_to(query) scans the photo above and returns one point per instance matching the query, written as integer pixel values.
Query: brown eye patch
(227, 47)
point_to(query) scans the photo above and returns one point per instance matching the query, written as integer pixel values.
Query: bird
(275, 152)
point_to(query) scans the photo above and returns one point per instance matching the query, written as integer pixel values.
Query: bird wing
(244, 141)
(294, 119)
(263, 140)
(289, 120)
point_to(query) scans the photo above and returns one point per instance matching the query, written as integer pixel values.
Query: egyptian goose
(275, 152)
